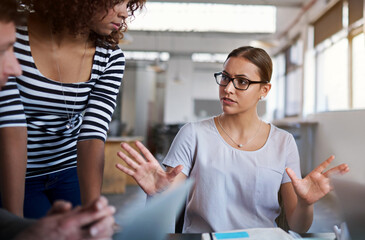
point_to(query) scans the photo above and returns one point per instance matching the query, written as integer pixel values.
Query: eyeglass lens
(239, 83)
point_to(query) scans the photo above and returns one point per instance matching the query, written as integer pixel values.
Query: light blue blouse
(234, 189)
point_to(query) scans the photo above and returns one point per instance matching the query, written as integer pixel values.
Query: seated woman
(239, 162)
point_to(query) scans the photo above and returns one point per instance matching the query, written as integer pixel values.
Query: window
(358, 72)
(332, 78)
(340, 57)
(276, 97)
(293, 79)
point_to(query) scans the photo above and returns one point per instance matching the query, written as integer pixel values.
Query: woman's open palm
(317, 183)
(147, 171)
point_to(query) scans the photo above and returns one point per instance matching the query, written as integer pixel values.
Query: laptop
(157, 218)
(351, 198)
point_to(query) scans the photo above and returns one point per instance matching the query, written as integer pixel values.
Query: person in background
(95, 221)
(241, 164)
(12, 155)
(72, 70)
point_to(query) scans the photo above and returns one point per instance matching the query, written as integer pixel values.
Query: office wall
(341, 134)
(129, 98)
(178, 100)
(139, 89)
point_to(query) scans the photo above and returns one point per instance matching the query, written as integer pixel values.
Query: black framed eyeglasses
(239, 83)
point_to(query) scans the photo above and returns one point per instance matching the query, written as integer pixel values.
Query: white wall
(128, 98)
(178, 97)
(138, 92)
(341, 134)
(145, 92)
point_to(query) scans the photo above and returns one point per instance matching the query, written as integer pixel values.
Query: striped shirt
(49, 106)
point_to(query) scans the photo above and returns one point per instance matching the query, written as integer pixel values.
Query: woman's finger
(292, 175)
(136, 155)
(148, 155)
(340, 169)
(124, 169)
(324, 164)
(175, 171)
(132, 164)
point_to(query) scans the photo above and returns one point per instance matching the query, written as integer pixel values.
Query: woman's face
(237, 101)
(105, 24)
(9, 65)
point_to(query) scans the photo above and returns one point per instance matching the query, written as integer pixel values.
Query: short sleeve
(11, 106)
(102, 100)
(182, 149)
(292, 159)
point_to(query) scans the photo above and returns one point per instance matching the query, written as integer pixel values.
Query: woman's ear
(265, 89)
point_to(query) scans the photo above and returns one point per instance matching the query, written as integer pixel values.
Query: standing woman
(239, 162)
(72, 71)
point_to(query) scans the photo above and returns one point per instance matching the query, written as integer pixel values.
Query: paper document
(249, 234)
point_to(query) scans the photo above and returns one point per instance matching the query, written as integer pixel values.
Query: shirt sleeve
(11, 106)
(182, 149)
(292, 159)
(11, 225)
(102, 100)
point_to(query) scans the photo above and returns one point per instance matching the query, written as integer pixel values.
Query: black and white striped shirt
(49, 105)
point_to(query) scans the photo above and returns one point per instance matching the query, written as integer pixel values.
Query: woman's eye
(225, 78)
(242, 81)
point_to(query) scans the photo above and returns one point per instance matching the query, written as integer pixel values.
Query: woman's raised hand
(317, 183)
(147, 171)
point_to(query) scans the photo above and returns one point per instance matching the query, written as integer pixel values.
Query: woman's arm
(13, 164)
(298, 213)
(300, 195)
(98, 114)
(90, 167)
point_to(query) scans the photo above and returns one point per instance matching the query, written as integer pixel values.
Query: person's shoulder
(21, 31)
(108, 56)
(108, 50)
(280, 133)
(202, 123)
(198, 126)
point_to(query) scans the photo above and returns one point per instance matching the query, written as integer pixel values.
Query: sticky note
(231, 235)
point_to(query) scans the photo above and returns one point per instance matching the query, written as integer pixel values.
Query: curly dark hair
(75, 15)
(9, 12)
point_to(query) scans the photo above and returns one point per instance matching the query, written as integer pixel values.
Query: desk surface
(185, 236)
(197, 236)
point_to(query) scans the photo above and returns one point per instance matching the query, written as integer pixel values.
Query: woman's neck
(240, 122)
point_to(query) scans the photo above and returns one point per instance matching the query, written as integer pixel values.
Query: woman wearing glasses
(239, 162)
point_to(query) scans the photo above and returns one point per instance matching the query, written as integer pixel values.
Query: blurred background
(318, 49)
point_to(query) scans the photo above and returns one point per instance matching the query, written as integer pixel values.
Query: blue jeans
(41, 192)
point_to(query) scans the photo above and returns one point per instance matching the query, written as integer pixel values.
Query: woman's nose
(121, 9)
(230, 87)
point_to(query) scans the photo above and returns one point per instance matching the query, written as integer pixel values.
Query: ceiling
(287, 3)
(214, 42)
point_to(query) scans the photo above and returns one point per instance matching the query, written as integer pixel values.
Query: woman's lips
(228, 100)
(116, 25)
